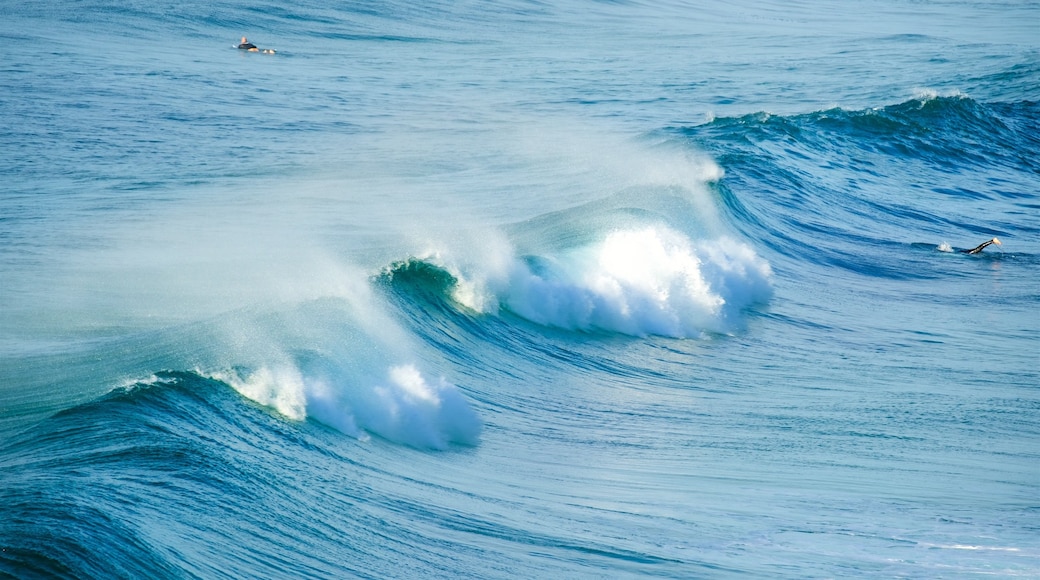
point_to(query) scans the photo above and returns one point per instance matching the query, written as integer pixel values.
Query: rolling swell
(99, 477)
(848, 189)
(178, 476)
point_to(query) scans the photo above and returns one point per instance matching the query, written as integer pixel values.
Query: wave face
(500, 289)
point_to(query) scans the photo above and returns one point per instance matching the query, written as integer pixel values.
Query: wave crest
(403, 406)
(645, 281)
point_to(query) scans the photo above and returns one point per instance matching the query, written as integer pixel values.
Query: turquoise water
(519, 289)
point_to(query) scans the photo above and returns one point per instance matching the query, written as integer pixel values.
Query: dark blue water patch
(1023, 118)
(49, 539)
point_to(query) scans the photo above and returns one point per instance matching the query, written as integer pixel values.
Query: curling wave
(643, 281)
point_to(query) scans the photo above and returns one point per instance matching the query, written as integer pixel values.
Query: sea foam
(643, 281)
(402, 405)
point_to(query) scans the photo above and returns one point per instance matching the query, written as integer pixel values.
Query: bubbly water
(519, 289)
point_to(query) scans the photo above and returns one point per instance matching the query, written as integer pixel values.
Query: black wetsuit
(977, 248)
(247, 46)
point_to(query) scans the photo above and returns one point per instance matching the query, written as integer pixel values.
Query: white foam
(403, 406)
(971, 547)
(642, 281)
(925, 94)
(148, 381)
(281, 389)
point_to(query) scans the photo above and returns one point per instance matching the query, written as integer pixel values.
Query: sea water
(519, 289)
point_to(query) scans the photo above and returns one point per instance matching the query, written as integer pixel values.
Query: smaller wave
(645, 281)
(339, 359)
(924, 94)
(848, 183)
(949, 130)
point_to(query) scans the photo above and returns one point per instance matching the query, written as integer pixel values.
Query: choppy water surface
(584, 289)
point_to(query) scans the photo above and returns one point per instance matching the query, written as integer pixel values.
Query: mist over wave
(651, 256)
(345, 362)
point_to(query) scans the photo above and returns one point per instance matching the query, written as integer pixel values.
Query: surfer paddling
(977, 249)
(250, 47)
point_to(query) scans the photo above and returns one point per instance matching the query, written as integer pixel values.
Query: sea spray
(340, 359)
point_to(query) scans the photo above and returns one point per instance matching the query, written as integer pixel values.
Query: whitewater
(519, 289)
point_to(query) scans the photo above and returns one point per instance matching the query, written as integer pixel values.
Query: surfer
(250, 47)
(981, 246)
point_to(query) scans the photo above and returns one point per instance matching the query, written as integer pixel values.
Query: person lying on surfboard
(981, 246)
(249, 46)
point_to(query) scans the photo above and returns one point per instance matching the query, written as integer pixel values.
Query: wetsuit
(978, 248)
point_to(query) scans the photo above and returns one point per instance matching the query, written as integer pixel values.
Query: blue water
(519, 289)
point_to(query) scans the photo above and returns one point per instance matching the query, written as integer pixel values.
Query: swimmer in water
(249, 46)
(977, 249)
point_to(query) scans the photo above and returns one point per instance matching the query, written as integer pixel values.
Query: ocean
(519, 289)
